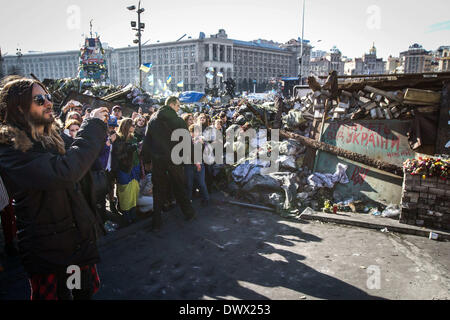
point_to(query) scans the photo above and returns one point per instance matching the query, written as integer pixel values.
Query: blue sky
(351, 25)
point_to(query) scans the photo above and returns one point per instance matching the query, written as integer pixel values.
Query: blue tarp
(191, 96)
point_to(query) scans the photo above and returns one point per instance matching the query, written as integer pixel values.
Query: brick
(424, 195)
(420, 188)
(442, 183)
(437, 191)
(427, 183)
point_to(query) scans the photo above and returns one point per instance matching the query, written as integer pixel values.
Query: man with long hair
(56, 218)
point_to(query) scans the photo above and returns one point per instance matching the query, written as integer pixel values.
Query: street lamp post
(301, 46)
(139, 28)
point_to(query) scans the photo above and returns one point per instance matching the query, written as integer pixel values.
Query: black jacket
(56, 219)
(122, 155)
(157, 141)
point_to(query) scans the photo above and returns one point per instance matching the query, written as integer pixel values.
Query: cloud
(441, 26)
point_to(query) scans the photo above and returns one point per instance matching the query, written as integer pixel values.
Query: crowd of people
(59, 172)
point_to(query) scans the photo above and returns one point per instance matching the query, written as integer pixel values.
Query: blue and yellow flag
(180, 84)
(169, 79)
(146, 67)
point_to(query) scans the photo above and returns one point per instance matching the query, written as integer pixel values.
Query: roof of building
(258, 45)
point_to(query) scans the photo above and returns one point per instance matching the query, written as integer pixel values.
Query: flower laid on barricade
(428, 167)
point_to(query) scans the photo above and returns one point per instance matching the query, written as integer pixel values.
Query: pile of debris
(127, 96)
(369, 103)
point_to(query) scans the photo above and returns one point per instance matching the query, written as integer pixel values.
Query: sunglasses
(40, 99)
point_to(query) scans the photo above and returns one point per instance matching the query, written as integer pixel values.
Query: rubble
(369, 103)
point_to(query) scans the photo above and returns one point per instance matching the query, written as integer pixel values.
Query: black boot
(156, 221)
(11, 249)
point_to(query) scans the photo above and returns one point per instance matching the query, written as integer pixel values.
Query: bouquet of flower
(428, 167)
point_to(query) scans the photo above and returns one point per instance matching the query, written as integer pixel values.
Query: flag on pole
(220, 74)
(209, 76)
(169, 79)
(180, 84)
(165, 87)
(146, 67)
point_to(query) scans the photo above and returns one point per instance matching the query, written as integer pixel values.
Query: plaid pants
(54, 286)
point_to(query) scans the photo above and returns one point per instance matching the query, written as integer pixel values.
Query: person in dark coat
(56, 217)
(157, 149)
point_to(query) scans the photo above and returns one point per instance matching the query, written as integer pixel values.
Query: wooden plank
(422, 96)
(383, 93)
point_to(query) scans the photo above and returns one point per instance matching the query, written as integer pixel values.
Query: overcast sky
(351, 25)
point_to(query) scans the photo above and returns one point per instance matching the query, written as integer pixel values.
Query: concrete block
(437, 191)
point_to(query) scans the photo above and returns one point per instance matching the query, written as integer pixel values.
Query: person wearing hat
(117, 112)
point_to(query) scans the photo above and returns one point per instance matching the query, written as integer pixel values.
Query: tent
(191, 96)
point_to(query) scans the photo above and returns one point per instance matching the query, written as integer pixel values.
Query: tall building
(393, 64)
(368, 64)
(323, 64)
(416, 59)
(51, 65)
(444, 63)
(441, 58)
(187, 60)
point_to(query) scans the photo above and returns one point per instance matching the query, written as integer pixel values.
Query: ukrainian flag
(146, 67)
(180, 84)
(169, 79)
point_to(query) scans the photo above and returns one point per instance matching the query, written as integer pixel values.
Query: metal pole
(140, 46)
(301, 50)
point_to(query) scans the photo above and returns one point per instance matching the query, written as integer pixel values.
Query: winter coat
(124, 154)
(54, 206)
(157, 141)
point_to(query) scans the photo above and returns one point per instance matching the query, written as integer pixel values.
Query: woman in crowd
(74, 115)
(70, 131)
(195, 174)
(125, 152)
(204, 122)
(188, 118)
(140, 125)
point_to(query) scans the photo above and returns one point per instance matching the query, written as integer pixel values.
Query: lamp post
(139, 28)
(301, 46)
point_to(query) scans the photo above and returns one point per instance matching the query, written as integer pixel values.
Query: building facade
(322, 65)
(52, 65)
(368, 64)
(444, 63)
(393, 64)
(416, 59)
(188, 61)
